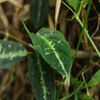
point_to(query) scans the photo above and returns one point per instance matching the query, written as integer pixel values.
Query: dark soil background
(14, 82)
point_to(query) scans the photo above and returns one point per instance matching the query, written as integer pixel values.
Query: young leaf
(38, 12)
(42, 78)
(74, 3)
(54, 49)
(11, 53)
(95, 79)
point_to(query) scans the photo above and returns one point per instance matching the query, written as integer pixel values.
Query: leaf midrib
(41, 77)
(56, 54)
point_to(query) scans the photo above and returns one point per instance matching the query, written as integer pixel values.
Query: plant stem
(83, 29)
(26, 28)
(19, 40)
(60, 88)
(85, 84)
(86, 32)
(74, 92)
(80, 7)
(81, 24)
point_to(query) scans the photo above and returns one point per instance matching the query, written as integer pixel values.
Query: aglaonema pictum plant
(52, 52)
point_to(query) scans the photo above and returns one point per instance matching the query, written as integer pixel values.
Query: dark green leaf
(95, 79)
(42, 78)
(11, 53)
(54, 49)
(38, 12)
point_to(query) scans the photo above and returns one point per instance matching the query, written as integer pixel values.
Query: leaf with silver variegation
(54, 49)
(11, 53)
(41, 77)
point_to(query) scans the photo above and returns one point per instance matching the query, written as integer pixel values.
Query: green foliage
(75, 97)
(76, 82)
(11, 53)
(95, 79)
(85, 97)
(74, 3)
(38, 12)
(42, 77)
(51, 44)
(52, 52)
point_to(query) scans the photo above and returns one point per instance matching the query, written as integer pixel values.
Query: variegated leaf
(54, 49)
(11, 53)
(38, 12)
(42, 77)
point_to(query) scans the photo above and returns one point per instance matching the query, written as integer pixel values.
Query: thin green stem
(86, 32)
(81, 24)
(83, 28)
(85, 84)
(60, 88)
(79, 42)
(74, 92)
(80, 7)
(26, 28)
(19, 40)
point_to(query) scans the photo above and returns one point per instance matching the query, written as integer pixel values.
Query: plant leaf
(11, 53)
(42, 77)
(38, 12)
(54, 49)
(75, 97)
(74, 3)
(95, 79)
